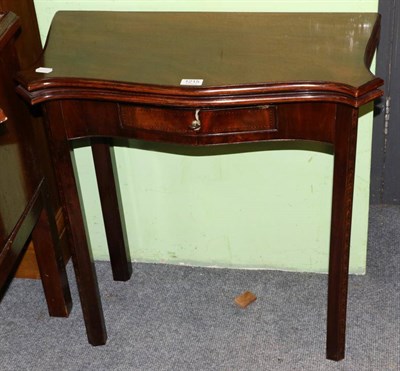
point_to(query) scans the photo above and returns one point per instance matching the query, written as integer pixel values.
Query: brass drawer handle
(196, 123)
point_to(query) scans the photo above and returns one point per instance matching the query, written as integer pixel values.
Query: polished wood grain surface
(266, 77)
(235, 53)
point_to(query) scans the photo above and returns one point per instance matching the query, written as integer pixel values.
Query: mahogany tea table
(203, 79)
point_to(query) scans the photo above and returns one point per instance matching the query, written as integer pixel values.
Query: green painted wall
(233, 210)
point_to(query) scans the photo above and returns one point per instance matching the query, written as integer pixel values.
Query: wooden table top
(233, 53)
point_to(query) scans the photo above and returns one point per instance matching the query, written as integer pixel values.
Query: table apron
(199, 125)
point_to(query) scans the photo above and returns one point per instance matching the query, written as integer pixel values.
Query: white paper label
(192, 82)
(44, 70)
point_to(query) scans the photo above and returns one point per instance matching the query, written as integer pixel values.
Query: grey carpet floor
(183, 318)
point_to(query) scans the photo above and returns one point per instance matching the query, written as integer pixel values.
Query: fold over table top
(143, 57)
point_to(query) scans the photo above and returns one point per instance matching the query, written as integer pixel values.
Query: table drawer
(201, 121)
(238, 119)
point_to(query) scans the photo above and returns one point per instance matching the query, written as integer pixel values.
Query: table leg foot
(119, 253)
(342, 200)
(50, 262)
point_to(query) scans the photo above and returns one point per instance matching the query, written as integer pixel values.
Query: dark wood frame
(37, 218)
(29, 48)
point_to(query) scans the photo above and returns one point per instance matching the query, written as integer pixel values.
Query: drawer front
(201, 121)
(236, 120)
(156, 119)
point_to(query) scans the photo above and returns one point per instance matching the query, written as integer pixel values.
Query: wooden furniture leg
(81, 254)
(119, 253)
(50, 262)
(342, 200)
